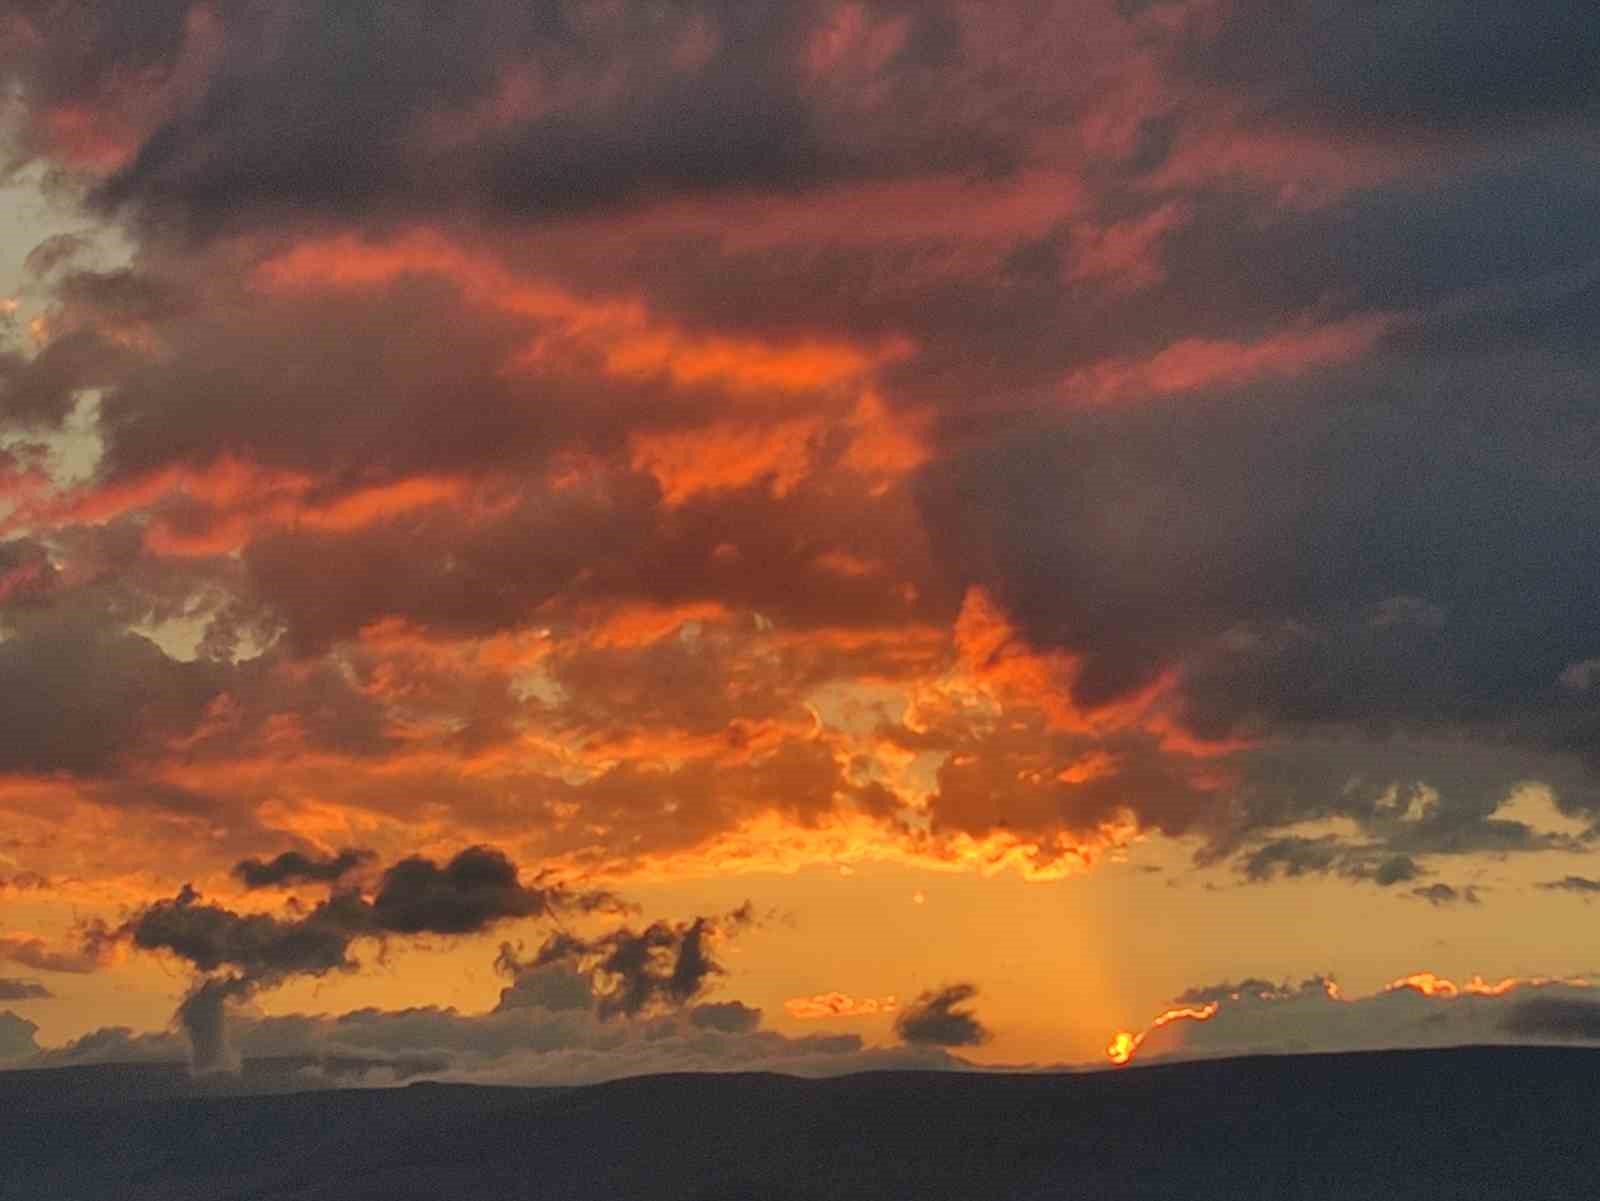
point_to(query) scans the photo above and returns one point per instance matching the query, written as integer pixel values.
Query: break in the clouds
(644, 440)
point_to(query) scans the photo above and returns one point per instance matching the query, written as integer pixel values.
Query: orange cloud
(241, 500)
(629, 341)
(31, 951)
(726, 456)
(837, 1005)
(1196, 363)
(1429, 984)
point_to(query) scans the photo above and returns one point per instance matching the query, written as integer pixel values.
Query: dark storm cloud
(664, 966)
(379, 107)
(1353, 555)
(937, 1019)
(294, 867)
(1378, 65)
(1287, 518)
(1551, 1017)
(23, 990)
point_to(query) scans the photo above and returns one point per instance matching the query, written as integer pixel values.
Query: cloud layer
(642, 440)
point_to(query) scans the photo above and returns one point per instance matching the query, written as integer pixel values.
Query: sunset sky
(533, 531)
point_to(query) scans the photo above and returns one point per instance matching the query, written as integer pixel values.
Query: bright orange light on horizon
(1125, 1044)
(1428, 984)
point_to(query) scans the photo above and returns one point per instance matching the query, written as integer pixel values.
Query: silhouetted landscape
(1467, 1123)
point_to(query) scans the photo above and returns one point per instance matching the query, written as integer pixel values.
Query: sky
(544, 541)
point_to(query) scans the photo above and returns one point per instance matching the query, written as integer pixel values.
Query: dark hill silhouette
(1466, 1124)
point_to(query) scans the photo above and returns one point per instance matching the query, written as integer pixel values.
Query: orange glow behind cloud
(1125, 1044)
(1196, 363)
(1430, 985)
(837, 1005)
(631, 342)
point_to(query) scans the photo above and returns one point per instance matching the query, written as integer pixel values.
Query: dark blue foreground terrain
(1462, 1124)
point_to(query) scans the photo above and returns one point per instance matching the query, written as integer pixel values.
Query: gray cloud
(295, 867)
(474, 891)
(341, 108)
(16, 1037)
(1581, 885)
(1439, 895)
(1250, 987)
(91, 948)
(1554, 1017)
(204, 1018)
(525, 1045)
(937, 1019)
(1316, 1017)
(1443, 66)
(728, 1017)
(663, 966)
(23, 990)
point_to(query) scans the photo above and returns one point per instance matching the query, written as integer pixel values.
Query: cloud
(260, 945)
(1422, 1010)
(555, 987)
(1215, 993)
(1441, 894)
(837, 1005)
(294, 867)
(17, 1040)
(203, 1016)
(729, 1017)
(527, 1045)
(663, 966)
(936, 1019)
(892, 446)
(1552, 1017)
(1439, 67)
(94, 949)
(23, 990)
(474, 891)
(488, 109)
(1581, 885)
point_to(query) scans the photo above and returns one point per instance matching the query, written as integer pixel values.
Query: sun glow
(1125, 1044)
